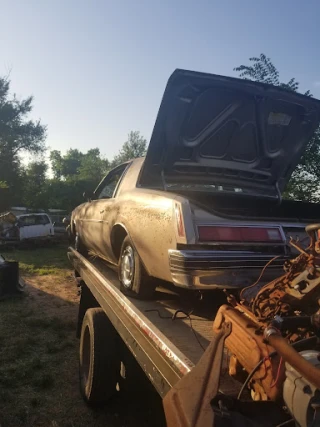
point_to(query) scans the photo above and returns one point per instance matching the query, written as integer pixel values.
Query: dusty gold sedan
(203, 209)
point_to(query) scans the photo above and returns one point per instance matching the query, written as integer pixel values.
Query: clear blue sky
(97, 69)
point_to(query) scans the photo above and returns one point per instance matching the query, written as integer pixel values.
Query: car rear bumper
(221, 270)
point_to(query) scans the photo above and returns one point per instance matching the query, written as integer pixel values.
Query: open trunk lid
(227, 133)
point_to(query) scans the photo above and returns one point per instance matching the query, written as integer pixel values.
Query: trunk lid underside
(225, 132)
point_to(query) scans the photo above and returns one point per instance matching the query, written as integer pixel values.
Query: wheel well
(117, 237)
(87, 300)
(73, 227)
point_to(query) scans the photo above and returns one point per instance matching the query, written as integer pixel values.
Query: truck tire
(79, 246)
(134, 281)
(99, 366)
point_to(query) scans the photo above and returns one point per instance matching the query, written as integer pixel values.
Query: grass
(40, 261)
(33, 347)
(38, 348)
(39, 354)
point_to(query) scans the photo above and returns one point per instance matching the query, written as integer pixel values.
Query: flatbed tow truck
(172, 339)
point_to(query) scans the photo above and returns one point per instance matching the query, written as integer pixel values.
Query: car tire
(134, 280)
(99, 364)
(79, 246)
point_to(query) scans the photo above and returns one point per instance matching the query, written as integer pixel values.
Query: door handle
(102, 211)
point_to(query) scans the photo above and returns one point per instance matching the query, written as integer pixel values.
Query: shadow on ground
(39, 363)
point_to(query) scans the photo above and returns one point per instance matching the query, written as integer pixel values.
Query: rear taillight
(208, 233)
(179, 220)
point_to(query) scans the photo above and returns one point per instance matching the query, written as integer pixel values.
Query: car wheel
(99, 365)
(134, 281)
(79, 246)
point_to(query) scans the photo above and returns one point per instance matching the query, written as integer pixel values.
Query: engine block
(297, 292)
(293, 297)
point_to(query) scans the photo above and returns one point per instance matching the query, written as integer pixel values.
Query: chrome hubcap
(127, 267)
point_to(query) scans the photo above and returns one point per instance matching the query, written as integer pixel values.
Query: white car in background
(27, 226)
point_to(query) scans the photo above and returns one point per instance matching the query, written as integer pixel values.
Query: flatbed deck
(167, 335)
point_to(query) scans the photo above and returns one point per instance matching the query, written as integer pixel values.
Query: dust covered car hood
(217, 131)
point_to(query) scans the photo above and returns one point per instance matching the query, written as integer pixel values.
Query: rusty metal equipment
(274, 336)
(188, 404)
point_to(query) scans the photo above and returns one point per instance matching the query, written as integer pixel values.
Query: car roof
(32, 214)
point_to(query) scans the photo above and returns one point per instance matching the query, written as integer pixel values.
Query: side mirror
(66, 221)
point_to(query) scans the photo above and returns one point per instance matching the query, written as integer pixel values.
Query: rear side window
(27, 220)
(107, 188)
(42, 220)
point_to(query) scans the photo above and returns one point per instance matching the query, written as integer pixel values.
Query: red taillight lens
(209, 233)
(179, 219)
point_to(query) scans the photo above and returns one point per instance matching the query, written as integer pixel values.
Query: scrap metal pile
(273, 345)
(7, 225)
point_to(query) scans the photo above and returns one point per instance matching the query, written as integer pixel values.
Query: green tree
(68, 165)
(304, 183)
(3, 196)
(93, 167)
(74, 173)
(263, 70)
(34, 194)
(67, 194)
(77, 165)
(11, 174)
(135, 146)
(18, 136)
(56, 163)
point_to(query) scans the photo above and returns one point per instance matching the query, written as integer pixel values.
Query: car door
(44, 227)
(48, 226)
(95, 222)
(39, 227)
(27, 226)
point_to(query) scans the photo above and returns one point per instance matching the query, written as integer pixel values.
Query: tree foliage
(58, 183)
(263, 70)
(76, 172)
(135, 146)
(73, 173)
(93, 166)
(18, 136)
(74, 164)
(17, 133)
(34, 181)
(304, 183)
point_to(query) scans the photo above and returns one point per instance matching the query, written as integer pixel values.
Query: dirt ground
(39, 356)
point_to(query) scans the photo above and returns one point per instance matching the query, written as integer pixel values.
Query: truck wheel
(134, 280)
(99, 366)
(79, 246)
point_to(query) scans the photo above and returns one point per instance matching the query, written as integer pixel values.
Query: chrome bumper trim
(221, 269)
